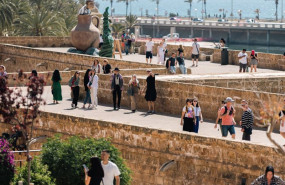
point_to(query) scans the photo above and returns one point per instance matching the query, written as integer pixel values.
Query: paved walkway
(204, 67)
(141, 119)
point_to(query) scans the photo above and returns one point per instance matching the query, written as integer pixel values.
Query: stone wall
(266, 60)
(199, 160)
(36, 41)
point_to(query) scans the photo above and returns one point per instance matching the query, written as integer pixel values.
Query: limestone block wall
(266, 60)
(36, 41)
(27, 59)
(199, 160)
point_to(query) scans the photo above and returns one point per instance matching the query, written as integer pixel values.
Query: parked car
(173, 18)
(197, 20)
(175, 36)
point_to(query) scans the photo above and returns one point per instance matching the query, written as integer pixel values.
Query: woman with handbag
(188, 117)
(133, 92)
(56, 87)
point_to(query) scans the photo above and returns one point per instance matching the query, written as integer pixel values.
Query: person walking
(86, 88)
(246, 121)
(195, 52)
(133, 92)
(133, 40)
(242, 56)
(93, 86)
(282, 121)
(150, 91)
(268, 178)
(227, 115)
(95, 175)
(198, 115)
(219, 119)
(117, 87)
(253, 61)
(96, 66)
(149, 50)
(128, 43)
(160, 54)
(181, 63)
(188, 117)
(74, 84)
(110, 169)
(164, 48)
(56, 87)
(106, 67)
(172, 63)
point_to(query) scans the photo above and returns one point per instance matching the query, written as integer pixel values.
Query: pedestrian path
(141, 119)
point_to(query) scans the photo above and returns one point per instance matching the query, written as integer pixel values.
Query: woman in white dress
(160, 54)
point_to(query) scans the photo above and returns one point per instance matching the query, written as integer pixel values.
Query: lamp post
(282, 12)
(232, 10)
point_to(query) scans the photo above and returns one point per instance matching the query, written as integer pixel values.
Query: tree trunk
(111, 8)
(276, 13)
(205, 3)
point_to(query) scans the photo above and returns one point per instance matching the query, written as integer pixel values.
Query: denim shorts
(226, 128)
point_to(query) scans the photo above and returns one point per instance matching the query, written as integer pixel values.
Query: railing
(167, 22)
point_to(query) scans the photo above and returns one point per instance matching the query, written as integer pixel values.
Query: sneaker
(197, 65)
(119, 108)
(114, 108)
(149, 112)
(193, 65)
(133, 111)
(91, 107)
(153, 112)
(72, 105)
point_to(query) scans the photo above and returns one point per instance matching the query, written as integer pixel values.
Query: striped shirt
(247, 119)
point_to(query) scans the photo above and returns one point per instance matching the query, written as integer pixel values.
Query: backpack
(226, 110)
(167, 63)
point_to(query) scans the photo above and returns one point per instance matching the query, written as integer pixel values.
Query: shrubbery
(39, 174)
(65, 158)
(6, 163)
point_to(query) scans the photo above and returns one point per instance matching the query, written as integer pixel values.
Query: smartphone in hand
(85, 168)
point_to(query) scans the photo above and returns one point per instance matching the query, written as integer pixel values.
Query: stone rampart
(199, 160)
(36, 41)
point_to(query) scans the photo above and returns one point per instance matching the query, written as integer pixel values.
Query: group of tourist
(102, 171)
(128, 42)
(245, 62)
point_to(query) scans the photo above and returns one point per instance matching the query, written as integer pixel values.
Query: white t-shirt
(94, 81)
(242, 60)
(196, 48)
(111, 170)
(97, 68)
(149, 46)
(84, 11)
(197, 111)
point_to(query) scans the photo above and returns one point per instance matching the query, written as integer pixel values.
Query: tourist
(268, 178)
(34, 74)
(101, 41)
(160, 54)
(219, 119)
(150, 93)
(172, 63)
(221, 44)
(195, 52)
(95, 175)
(242, 60)
(164, 48)
(227, 115)
(253, 61)
(149, 50)
(106, 67)
(56, 87)
(198, 115)
(110, 169)
(282, 121)
(123, 41)
(87, 90)
(96, 66)
(133, 39)
(117, 87)
(74, 84)
(93, 86)
(188, 117)
(128, 43)
(133, 92)
(246, 121)
(181, 63)
(3, 72)
(180, 50)
(86, 9)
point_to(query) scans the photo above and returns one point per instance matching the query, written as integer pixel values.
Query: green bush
(39, 174)
(6, 163)
(65, 158)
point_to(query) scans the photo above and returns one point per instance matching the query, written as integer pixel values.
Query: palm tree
(127, 5)
(257, 11)
(190, 3)
(276, 12)
(117, 28)
(6, 14)
(131, 21)
(41, 23)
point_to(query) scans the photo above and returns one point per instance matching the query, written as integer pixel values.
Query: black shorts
(242, 66)
(148, 54)
(195, 56)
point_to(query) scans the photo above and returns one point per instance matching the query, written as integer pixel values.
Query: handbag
(130, 91)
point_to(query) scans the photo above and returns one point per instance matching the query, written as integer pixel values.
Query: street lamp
(282, 12)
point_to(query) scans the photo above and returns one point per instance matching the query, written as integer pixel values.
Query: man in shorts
(195, 52)
(149, 48)
(242, 57)
(227, 114)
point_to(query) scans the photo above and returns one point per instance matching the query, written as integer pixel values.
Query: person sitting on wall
(86, 9)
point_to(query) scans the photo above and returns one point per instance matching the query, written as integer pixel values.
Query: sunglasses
(77, 73)
(243, 105)
(195, 101)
